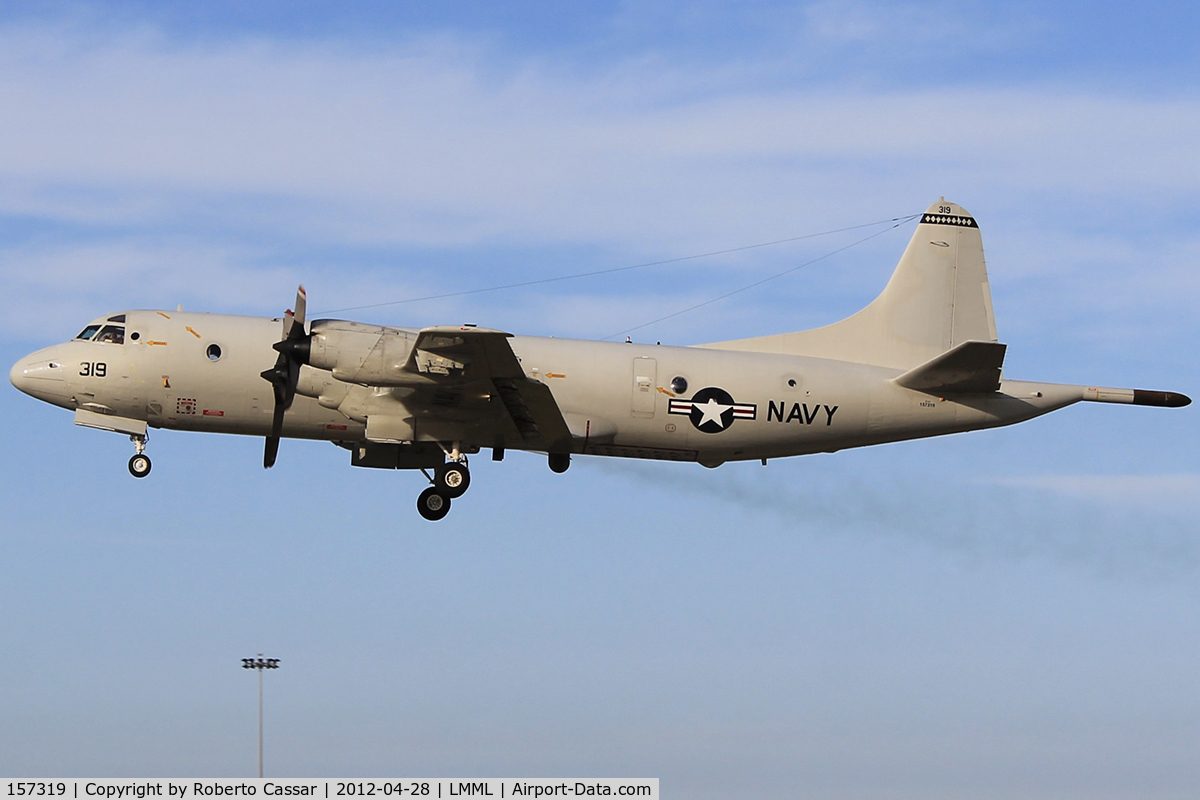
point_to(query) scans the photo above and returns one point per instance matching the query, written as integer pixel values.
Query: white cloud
(52, 289)
(130, 138)
(427, 143)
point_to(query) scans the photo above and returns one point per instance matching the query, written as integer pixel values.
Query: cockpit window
(113, 334)
(88, 332)
(117, 318)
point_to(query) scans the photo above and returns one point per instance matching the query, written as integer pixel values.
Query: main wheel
(452, 478)
(560, 462)
(432, 504)
(139, 465)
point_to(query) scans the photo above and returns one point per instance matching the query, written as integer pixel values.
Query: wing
(454, 355)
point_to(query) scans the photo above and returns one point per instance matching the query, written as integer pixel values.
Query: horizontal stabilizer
(970, 367)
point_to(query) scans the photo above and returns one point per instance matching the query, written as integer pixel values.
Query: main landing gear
(433, 505)
(450, 480)
(139, 464)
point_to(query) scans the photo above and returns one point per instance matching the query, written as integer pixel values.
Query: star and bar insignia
(712, 410)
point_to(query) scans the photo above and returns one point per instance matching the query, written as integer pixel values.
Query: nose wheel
(139, 464)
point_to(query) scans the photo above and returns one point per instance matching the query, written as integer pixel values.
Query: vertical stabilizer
(937, 298)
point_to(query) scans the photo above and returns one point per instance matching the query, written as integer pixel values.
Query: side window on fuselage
(112, 334)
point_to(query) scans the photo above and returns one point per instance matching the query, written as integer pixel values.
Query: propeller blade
(271, 452)
(272, 448)
(293, 349)
(293, 321)
(279, 378)
(301, 304)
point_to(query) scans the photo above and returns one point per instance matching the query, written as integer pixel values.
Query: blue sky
(997, 614)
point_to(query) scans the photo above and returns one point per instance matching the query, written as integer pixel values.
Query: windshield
(88, 332)
(113, 334)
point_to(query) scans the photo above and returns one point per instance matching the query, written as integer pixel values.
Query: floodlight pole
(260, 664)
(260, 722)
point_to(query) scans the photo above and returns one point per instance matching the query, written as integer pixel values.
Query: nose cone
(41, 375)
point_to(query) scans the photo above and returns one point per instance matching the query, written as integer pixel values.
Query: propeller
(293, 351)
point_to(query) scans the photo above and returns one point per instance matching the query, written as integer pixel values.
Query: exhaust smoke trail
(997, 519)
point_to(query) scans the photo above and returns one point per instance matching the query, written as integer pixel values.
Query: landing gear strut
(139, 464)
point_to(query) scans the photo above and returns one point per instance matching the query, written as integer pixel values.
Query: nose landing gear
(139, 464)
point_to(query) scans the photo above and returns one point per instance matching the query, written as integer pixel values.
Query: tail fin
(937, 298)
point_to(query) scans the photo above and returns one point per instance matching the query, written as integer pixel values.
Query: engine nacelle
(355, 352)
(320, 383)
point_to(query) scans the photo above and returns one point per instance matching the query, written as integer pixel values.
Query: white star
(711, 411)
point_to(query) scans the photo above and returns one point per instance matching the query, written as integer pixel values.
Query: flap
(535, 413)
(970, 367)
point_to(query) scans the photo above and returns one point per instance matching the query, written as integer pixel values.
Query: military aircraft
(921, 360)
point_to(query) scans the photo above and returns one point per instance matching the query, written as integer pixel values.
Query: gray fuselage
(616, 398)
